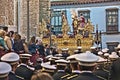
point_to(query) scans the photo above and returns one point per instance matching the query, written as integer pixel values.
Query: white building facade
(105, 14)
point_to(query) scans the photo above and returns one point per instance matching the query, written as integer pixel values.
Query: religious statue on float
(81, 21)
(88, 29)
(42, 28)
(78, 23)
(65, 27)
(75, 22)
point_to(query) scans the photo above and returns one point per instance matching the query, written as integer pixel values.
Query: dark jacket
(24, 72)
(12, 76)
(58, 75)
(115, 70)
(18, 46)
(86, 76)
(102, 74)
(41, 50)
(32, 48)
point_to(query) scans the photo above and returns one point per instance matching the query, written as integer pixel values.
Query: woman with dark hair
(40, 49)
(18, 45)
(32, 45)
(32, 49)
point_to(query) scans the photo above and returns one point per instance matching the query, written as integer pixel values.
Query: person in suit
(79, 49)
(13, 59)
(118, 49)
(87, 64)
(74, 66)
(5, 68)
(115, 66)
(47, 49)
(40, 48)
(38, 64)
(24, 70)
(61, 65)
(94, 50)
(48, 68)
(65, 53)
(101, 72)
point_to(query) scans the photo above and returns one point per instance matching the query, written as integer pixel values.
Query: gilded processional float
(82, 35)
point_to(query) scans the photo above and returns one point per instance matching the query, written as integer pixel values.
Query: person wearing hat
(115, 66)
(47, 67)
(87, 64)
(55, 51)
(13, 59)
(100, 53)
(113, 56)
(105, 50)
(93, 50)
(117, 49)
(38, 64)
(65, 53)
(118, 52)
(75, 51)
(79, 49)
(5, 68)
(24, 70)
(61, 65)
(74, 66)
(101, 72)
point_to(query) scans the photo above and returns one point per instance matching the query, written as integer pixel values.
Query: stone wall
(15, 13)
(6, 12)
(34, 10)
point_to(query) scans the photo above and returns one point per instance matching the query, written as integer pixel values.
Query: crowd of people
(21, 60)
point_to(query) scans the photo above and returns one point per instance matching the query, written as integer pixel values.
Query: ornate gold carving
(83, 36)
(65, 27)
(73, 43)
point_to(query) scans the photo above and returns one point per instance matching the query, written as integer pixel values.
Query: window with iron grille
(112, 20)
(56, 21)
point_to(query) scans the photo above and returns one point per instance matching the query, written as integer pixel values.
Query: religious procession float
(82, 35)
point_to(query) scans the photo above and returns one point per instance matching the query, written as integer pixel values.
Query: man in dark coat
(13, 59)
(65, 53)
(87, 63)
(115, 70)
(24, 70)
(61, 64)
(101, 70)
(79, 49)
(74, 66)
(94, 50)
(5, 68)
(115, 66)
